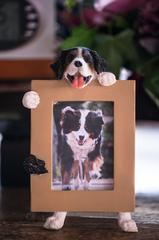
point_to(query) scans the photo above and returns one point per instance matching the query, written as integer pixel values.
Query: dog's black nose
(81, 137)
(78, 63)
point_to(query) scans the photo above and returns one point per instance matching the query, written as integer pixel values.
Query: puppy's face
(82, 127)
(79, 66)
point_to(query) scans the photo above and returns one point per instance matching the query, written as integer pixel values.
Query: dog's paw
(106, 78)
(55, 222)
(128, 225)
(31, 100)
(94, 174)
(86, 185)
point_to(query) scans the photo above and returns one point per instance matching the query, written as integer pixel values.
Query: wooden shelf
(26, 69)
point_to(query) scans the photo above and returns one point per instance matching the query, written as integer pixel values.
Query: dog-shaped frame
(79, 66)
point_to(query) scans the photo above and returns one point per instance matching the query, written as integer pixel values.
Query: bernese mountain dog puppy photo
(79, 133)
(79, 66)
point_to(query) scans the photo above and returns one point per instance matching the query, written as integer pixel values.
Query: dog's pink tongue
(78, 81)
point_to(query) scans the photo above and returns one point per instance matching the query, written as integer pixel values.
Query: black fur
(71, 121)
(100, 64)
(59, 66)
(94, 124)
(33, 165)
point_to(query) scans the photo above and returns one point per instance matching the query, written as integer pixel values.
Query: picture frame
(121, 197)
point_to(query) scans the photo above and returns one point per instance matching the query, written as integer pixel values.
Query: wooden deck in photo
(95, 184)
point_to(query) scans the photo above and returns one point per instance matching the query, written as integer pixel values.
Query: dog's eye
(87, 58)
(70, 57)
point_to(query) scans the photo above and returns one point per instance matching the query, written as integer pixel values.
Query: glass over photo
(83, 146)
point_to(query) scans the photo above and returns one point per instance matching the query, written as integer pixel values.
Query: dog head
(82, 127)
(79, 66)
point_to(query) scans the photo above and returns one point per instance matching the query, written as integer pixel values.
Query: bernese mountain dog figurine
(79, 66)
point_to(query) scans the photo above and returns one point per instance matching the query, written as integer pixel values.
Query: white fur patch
(81, 151)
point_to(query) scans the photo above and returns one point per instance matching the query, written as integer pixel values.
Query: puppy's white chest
(81, 152)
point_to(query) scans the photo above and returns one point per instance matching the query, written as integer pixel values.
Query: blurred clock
(19, 22)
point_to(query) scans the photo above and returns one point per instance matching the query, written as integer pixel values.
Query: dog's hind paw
(128, 225)
(55, 222)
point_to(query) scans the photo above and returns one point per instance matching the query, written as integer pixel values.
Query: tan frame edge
(122, 197)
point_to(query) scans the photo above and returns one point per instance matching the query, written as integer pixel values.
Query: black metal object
(33, 165)
(15, 129)
(19, 22)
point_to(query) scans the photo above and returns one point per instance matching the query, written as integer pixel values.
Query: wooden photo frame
(114, 190)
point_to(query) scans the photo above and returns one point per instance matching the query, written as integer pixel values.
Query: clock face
(19, 22)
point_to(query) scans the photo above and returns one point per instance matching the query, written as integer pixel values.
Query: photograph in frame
(83, 139)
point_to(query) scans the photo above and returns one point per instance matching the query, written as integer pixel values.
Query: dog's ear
(59, 66)
(68, 109)
(70, 114)
(56, 69)
(100, 64)
(100, 116)
(100, 120)
(70, 118)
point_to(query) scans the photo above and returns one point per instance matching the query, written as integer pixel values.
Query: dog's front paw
(128, 225)
(106, 78)
(54, 222)
(31, 100)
